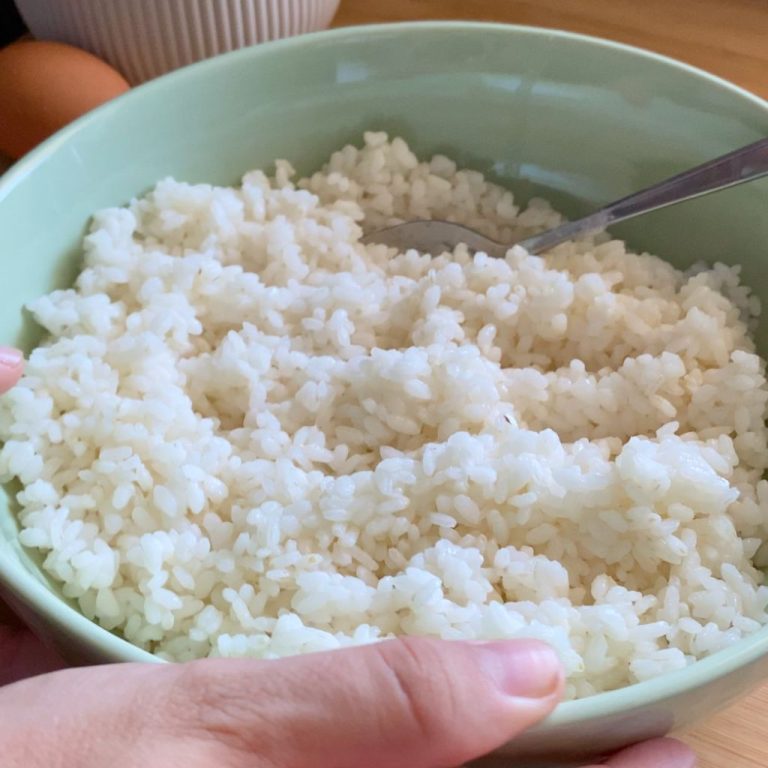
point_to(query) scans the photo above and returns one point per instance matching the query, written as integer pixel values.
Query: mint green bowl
(578, 120)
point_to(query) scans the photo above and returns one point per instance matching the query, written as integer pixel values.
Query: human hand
(11, 367)
(415, 702)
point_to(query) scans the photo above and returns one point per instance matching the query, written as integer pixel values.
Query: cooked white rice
(249, 434)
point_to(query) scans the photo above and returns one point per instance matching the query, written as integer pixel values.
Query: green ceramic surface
(578, 120)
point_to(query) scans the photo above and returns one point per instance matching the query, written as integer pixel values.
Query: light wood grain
(727, 37)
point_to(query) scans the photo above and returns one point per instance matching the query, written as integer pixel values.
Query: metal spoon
(436, 237)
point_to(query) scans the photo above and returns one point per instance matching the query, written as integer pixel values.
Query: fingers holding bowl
(11, 367)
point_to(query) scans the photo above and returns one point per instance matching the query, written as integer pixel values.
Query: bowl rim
(617, 702)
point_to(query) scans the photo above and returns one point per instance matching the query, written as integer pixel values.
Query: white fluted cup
(146, 38)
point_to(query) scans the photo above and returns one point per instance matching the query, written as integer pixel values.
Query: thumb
(11, 367)
(414, 701)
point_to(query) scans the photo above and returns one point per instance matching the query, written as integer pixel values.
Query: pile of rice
(247, 434)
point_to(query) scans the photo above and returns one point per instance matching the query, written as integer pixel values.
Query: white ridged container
(146, 38)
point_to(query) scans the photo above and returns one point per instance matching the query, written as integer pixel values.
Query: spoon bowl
(436, 237)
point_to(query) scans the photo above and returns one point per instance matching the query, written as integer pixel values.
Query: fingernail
(526, 669)
(10, 358)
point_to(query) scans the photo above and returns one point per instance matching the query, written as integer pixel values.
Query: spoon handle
(745, 164)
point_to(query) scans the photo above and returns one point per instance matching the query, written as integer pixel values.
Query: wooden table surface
(727, 37)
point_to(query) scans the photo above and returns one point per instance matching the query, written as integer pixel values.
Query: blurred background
(727, 37)
(11, 25)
